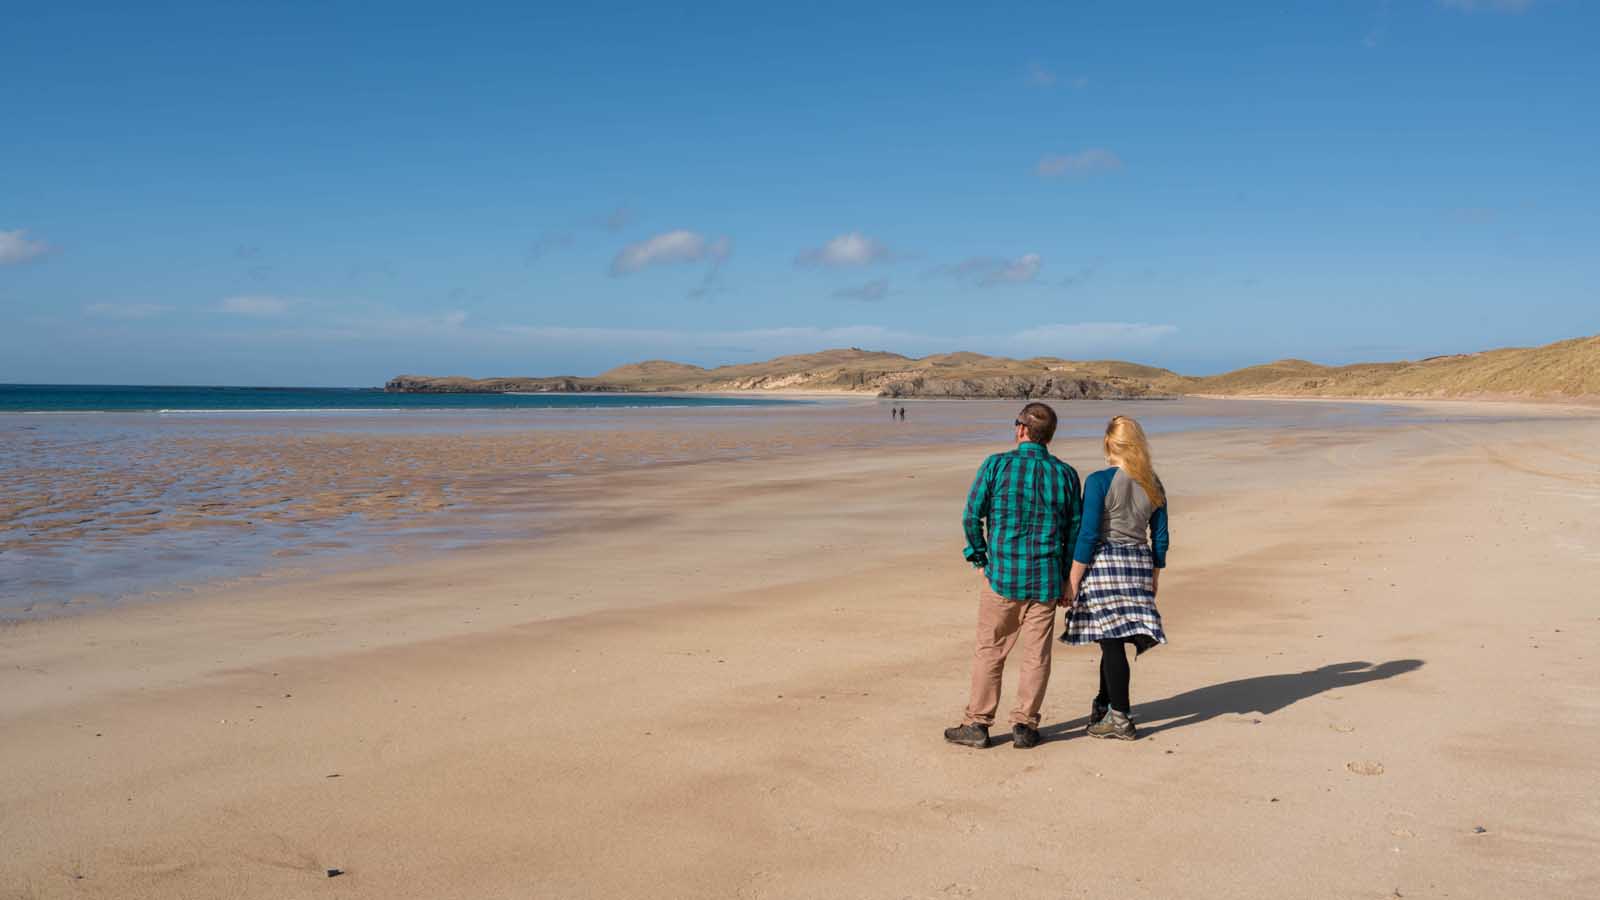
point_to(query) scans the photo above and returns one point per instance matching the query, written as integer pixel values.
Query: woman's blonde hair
(1126, 443)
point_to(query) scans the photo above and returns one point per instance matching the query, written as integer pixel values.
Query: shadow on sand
(1262, 695)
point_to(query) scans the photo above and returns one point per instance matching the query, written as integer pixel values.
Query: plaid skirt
(1117, 600)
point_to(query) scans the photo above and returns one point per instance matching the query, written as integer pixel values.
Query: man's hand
(1155, 581)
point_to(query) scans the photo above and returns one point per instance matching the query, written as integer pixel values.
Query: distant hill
(1569, 369)
(1564, 370)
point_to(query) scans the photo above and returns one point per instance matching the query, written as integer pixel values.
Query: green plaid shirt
(1032, 505)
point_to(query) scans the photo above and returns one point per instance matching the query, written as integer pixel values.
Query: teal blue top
(1097, 524)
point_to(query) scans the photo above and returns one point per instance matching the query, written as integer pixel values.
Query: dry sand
(728, 680)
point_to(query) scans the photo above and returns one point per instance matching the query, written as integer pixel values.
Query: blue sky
(333, 193)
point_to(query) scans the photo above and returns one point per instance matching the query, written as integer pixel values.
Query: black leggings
(1113, 675)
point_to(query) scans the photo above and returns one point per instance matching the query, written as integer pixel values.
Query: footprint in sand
(1365, 767)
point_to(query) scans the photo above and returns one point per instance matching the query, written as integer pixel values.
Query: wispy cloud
(550, 240)
(1042, 76)
(566, 235)
(1080, 336)
(753, 339)
(256, 306)
(1500, 6)
(1059, 339)
(1023, 268)
(874, 290)
(1380, 27)
(1084, 162)
(399, 329)
(988, 271)
(851, 249)
(670, 247)
(711, 284)
(17, 247)
(126, 310)
(617, 219)
(1083, 273)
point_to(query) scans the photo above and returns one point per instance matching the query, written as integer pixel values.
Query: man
(1030, 505)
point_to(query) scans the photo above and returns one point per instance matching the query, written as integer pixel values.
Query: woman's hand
(1075, 581)
(1155, 581)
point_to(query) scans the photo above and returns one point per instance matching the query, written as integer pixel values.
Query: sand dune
(1569, 369)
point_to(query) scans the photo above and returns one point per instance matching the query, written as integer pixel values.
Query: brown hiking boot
(973, 735)
(1115, 725)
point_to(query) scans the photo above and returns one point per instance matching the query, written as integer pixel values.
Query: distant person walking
(1116, 566)
(1021, 520)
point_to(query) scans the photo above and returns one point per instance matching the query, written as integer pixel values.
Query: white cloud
(670, 247)
(1505, 6)
(15, 247)
(871, 291)
(852, 249)
(1094, 335)
(257, 306)
(1094, 159)
(126, 310)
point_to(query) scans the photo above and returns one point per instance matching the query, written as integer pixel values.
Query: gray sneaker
(1115, 725)
(1097, 711)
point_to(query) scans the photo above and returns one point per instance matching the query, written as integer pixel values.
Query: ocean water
(172, 400)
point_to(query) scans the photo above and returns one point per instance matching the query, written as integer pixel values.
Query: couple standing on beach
(1043, 542)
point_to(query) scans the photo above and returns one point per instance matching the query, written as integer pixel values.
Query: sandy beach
(727, 678)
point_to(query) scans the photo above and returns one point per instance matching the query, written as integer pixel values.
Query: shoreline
(436, 491)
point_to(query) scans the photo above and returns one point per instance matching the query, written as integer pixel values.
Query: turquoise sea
(57, 398)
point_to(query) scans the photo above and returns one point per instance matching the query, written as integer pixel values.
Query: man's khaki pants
(1001, 623)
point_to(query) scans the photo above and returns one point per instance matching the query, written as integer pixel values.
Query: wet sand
(101, 507)
(729, 680)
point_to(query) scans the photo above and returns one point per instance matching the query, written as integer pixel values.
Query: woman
(1116, 563)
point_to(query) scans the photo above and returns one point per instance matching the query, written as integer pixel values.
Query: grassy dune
(1564, 370)
(1568, 369)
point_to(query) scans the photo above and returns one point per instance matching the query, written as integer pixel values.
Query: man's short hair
(1040, 420)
